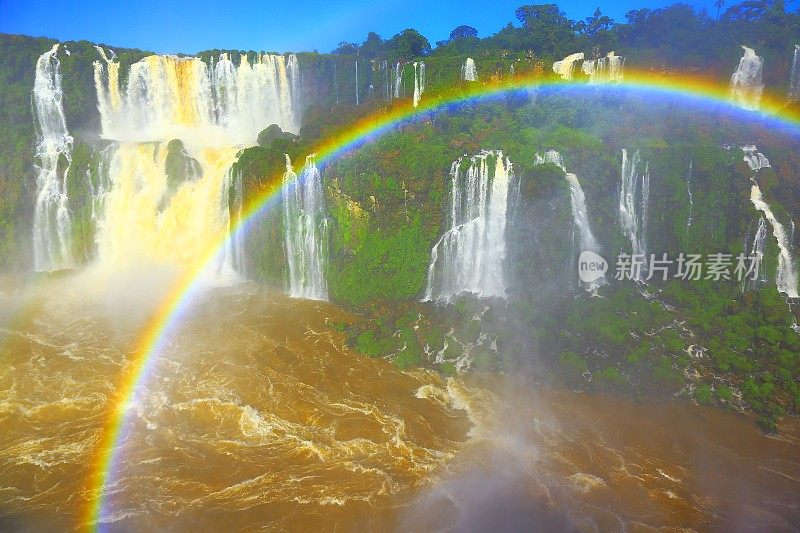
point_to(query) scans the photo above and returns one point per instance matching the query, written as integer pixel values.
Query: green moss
(703, 394)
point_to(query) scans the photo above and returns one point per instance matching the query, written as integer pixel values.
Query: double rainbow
(177, 302)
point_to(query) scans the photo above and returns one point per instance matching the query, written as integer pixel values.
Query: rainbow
(176, 304)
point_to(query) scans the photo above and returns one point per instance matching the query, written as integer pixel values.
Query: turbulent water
(469, 256)
(580, 214)
(52, 237)
(786, 278)
(634, 198)
(286, 428)
(305, 231)
(608, 69)
(468, 70)
(746, 86)
(146, 220)
(566, 67)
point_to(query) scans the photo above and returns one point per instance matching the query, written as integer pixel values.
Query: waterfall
(634, 196)
(786, 275)
(756, 248)
(606, 69)
(52, 237)
(166, 191)
(469, 256)
(566, 67)
(357, 102)
(794, 76)
(232, 265)
(398, 80)
(305, 231)
(168, 97)
(387, 83)
(689, 193)
(746, 86)
(151, 215)
(754, 159)
(468, 70)
(580, 214)
(419, 81)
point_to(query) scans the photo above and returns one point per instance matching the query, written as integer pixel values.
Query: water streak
(468, 70)
(634, 197)
(794, 76)
(580, 214)
(419, 81)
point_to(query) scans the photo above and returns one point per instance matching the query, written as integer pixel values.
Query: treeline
(677, 36)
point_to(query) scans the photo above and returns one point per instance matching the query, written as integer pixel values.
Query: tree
(409, 44)
(598, 29)
(596, 24)
(346, 49)
(539, 15)
(373, 46)
(462, 32)
(718, 4)
(546, 30)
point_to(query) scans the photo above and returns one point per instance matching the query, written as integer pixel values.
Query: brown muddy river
(256, 416)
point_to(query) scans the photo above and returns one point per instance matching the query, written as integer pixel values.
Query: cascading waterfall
(634, 197)
(305, 231)
(53, 154)
(580, 214)
(469, 256)
(746, 86)
(166, 191)
(608, 69)
(168, 97)
(755, 159)
(419, 81)
(566, 67)
(468, 70)
(794, 76)
(146, 218)
(786, 275)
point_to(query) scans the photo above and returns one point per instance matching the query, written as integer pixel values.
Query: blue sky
(277, 25)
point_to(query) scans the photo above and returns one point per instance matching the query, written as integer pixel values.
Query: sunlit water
(257, 416)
